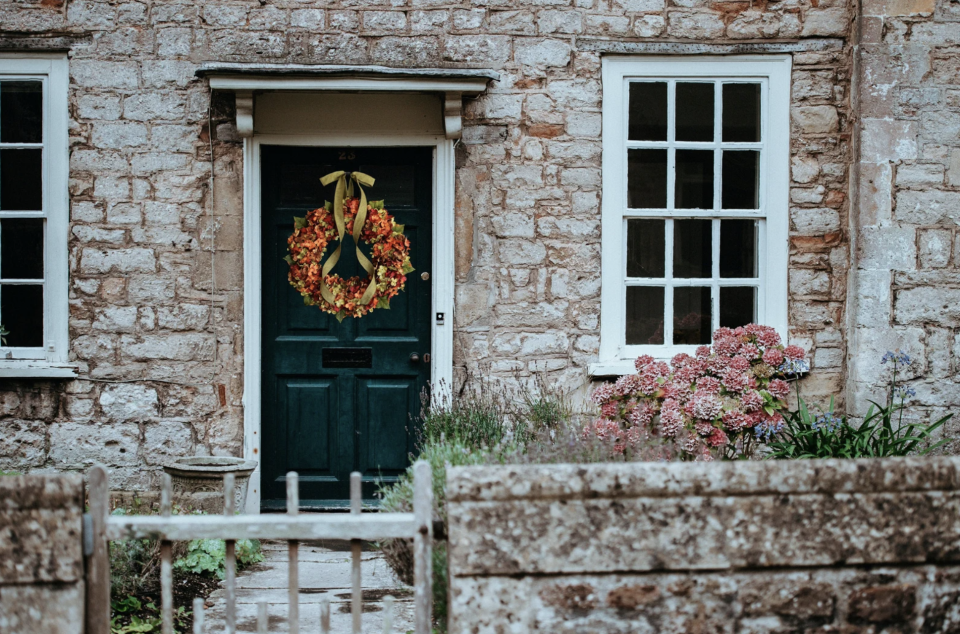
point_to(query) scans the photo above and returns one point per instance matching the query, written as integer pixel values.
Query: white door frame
(442, 275)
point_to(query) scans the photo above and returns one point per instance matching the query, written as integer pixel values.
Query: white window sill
(35, 369)
(612, 368)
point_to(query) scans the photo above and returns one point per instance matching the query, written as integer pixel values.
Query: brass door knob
(424, 276)
(414, 357)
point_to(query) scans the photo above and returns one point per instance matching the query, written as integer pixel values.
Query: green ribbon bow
(344, 190)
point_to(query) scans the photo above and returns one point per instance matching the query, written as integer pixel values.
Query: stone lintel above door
(246, 80)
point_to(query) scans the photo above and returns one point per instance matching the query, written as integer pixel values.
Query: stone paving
(324, 572)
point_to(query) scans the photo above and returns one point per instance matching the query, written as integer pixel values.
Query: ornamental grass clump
(718, 403)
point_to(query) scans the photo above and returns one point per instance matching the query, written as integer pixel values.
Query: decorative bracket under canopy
(246, 79)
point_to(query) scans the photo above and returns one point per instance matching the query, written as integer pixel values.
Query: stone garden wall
(907, 252)
(41, 558)
(812, 546)
(156, 193)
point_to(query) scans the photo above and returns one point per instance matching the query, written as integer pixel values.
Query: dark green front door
(340, 397)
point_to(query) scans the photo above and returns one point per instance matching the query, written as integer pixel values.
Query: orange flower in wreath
(355, 296)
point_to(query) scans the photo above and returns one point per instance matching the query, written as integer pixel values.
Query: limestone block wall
(907, 254)
(156, 194)
(812, 546)
(41, 555)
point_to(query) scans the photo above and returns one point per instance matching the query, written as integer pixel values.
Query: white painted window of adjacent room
(695, 186)
(34, 212)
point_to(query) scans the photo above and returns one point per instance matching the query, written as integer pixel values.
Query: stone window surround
(50, 361)
(615, 357)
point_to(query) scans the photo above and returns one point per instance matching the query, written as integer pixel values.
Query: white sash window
(695, 201)
(34, 215)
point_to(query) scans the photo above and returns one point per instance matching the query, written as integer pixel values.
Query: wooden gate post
(423, 547)
(97, 613)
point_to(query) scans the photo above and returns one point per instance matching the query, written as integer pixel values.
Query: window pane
(692, 255)
(741, 113)
(21, 180)
(738, 306)
(644, 315)
(21, 112)
(648, 111)
(738, 248)
(647, 179)
(691, 315)
(694, 188)
(21, 249)
(21, 313)
(645, 248)
(694, 112)
(741, 179)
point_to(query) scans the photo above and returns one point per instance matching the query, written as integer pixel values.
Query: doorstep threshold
(318, 506)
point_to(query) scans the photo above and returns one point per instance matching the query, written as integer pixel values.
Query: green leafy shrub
(474, 427)
(209, 556)
(882, 433)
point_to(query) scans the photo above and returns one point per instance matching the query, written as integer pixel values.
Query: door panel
(385, 406)
(325, 422)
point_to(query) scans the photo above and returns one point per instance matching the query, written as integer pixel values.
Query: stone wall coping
(220, 68)
(697, 48)
(55, 491)
(676, 479)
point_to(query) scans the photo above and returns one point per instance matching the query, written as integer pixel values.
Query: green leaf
(308, 300)
(288, 260)
(299, 223)
(408, 268)
(383, 302)
(376, 204)
(398, 229)
(328, 205)
(340, 316)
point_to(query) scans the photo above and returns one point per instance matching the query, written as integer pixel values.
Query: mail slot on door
(348, 357)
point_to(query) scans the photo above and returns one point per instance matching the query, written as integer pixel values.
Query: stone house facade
(152, 343)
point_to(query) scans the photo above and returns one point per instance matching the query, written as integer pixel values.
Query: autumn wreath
(370, 223)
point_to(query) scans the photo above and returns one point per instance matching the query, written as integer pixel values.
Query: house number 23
(346, 155)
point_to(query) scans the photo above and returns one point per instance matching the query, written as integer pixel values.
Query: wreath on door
(367, 222)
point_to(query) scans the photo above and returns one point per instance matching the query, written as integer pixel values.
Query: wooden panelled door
(341, 397)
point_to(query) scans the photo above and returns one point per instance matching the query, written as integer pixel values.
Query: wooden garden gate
(101, 528)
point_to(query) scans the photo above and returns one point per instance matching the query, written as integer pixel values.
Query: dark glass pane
(694, 187)
(300, 185)
(645, 248)
(21, 112)
(691, 315)
(741, 113)
(692, 255)
(648, 111)
(738, 306)
(644, 315)
(21, 180)
(741, 179)
(21, 313)
(394, 184)
(21, 249)
(694, 112)
(738, 248)
(647, 179)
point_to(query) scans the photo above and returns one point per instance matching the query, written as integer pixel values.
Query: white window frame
(50, 360)
(773, 72)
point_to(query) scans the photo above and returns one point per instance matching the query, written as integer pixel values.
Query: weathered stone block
(129, 401)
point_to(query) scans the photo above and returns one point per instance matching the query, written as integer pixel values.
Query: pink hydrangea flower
(768, 337)
(706, 406)
(603, 393)
(794, 353)
(708, 385)
(642, 361)
(751, 401)
(773, 357)
(717, 438)
(735, 381)
(779, 388)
